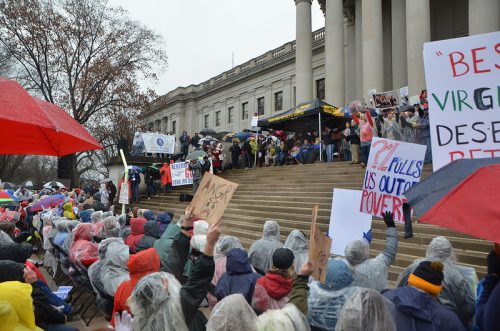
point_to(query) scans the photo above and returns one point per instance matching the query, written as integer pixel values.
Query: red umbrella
(472, 207)
(33, 126)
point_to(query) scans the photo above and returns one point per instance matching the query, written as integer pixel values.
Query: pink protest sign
(393, 167)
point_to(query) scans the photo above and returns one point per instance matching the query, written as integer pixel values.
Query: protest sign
(212, 197)
(463, 79)
(414, 100)
(403, 94)
(393, 167)
(254, 121)
(347, 223)
(158, 143)
(181, 175)
(319, 249)
(388, 99)
(124, 194)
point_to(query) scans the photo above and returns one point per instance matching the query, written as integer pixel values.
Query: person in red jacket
(166, 176)
(272, 290)
(137, 232)
(139, 265)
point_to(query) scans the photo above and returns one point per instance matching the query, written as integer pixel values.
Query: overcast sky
(200, 36)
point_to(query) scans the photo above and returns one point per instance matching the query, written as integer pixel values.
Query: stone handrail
(282, 51)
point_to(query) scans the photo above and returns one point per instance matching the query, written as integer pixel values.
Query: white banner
(393, 167)
(181, 175)
(158, 143)
(463, 79)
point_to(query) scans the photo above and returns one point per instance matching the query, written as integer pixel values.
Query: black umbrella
(424, 195)
(207, 132)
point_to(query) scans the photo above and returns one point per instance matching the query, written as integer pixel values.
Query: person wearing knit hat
(272, 290)
(417, 306)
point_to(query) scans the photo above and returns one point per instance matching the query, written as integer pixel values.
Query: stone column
(373, 60)
(418, 32)
(359, 50)
(484, 16)
(399, 66)
(303, 51)
(334, 53)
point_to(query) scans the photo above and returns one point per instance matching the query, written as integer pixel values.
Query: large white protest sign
(347, 223)
(124, 194)
(158, 143)
(393, 167)
(463, 79)
(181, 175)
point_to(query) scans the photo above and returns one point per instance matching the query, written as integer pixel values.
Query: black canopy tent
(307, 116)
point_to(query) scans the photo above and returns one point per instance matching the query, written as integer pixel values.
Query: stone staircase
(287, 195)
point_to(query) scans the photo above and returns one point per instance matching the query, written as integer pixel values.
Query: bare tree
(82, 55)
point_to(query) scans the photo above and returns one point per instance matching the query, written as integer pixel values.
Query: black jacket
(353, 138)
(151, 234)
(235, 151)
(15, 252)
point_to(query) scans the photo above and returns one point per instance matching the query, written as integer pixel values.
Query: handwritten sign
(462, 77)
(181, 175)
(124, 194)
(347, 223)
(393, 167)
(319, 249)
(212, 197)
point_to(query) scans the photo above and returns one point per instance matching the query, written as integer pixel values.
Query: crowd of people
(349, 141)
(163, 270)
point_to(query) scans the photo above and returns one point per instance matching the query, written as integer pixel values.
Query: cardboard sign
(212, 197)
(254, 121)
(181, 175)
(393, 167)
(319, 249)
(158, 143)
(124, 194)
(462, 77)
(347, 223)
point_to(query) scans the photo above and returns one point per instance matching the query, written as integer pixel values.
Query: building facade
(365, 45)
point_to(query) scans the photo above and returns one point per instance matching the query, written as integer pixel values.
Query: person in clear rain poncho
(232, 313)
(261, 252)
(115, 270)
(325, 301)
(367, 310)
(298, 243)
(458, 294)
(373, 273)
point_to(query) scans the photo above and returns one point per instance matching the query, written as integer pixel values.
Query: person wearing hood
(409, 121)
(417, 305)
(148, 215)
(139, 265)
(63, 229)
(457, 293)
(367, 310)
(104, 301)
(239, 277)
(15, 300)
(222, 248)
(16, 252)
(98, 205)
(109, 228)
(299, 245)
(68, 211)
(96, 218)
(373, 272)
(166, 176)
(137, 232)
(85, 215)
(83, 250)
(159, 302)
(326, 300)
(151, 234)
(163, 246)
(233, 313)
(114, 270)
(488, 308)
(163, 220)
(272, 290)
(124, 221)
(261, 252)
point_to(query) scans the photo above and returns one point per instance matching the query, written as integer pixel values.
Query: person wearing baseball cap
(417, 306)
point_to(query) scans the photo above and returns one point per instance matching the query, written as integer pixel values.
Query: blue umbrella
(243, 135)
(133, 168)
(48, 202)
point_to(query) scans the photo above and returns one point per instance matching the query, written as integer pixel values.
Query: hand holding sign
(319, 249)
(212, 197)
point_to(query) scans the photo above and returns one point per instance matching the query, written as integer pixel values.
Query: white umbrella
(54, 184)
(207, 140)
